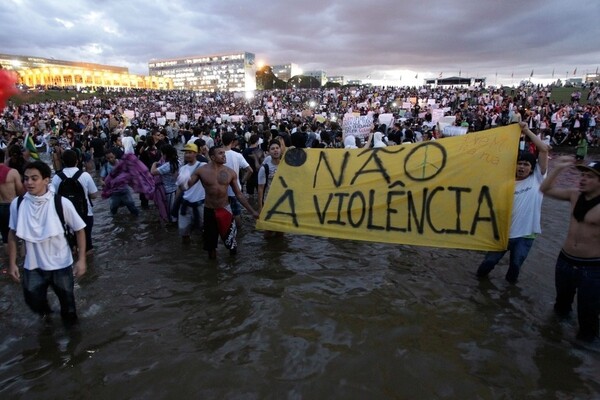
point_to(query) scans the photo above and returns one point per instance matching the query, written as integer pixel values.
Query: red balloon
(8, 80)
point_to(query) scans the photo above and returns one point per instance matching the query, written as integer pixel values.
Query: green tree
(266, 80)
(331, 85)
(304, 82)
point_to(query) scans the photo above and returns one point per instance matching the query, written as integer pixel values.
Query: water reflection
(297, 317)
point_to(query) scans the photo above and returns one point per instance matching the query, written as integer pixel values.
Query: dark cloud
(384, 39)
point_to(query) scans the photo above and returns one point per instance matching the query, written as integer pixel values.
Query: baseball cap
(190, 147)
(593, 166)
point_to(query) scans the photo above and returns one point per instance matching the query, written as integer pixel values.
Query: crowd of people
(232, 145)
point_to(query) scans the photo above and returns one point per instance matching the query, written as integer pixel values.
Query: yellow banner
(455, 192)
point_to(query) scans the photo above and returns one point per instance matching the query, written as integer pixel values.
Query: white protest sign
(436, 115)
(162, 121)
(357, 126)
(446, 121)
(170, 115)
(455, 130)
(259, 119)
(183, 118)
(386, 119)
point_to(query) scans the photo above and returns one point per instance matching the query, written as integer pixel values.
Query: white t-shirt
(527, 206)
(86, 180)
(196, 192)
(128, 144)
(263, 179)
(53, 253)
(208, 140)
(235, 161)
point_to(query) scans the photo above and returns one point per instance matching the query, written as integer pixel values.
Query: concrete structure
(593, 77)
(39, 71)
(286, 71)
(574, 81)
(336, 79)
(355, 82)
(319, 75)
(455, 81)
(217, 72)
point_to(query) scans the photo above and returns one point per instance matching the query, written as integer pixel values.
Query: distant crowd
(306, 118)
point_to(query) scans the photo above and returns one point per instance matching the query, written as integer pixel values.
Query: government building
(217, 72)
(45, 72)
(285, 72)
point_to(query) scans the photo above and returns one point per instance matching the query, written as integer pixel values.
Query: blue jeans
(89, 224)
(123, 199)
(518, 248)
(35, 289)
(573, 275)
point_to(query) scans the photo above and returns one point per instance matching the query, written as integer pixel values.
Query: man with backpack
(41, 219)
(265, 175)
(79, 187)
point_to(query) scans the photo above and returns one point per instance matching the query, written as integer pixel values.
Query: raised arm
(542, 147)
(548, 188)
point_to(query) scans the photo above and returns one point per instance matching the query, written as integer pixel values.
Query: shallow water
(297, 318)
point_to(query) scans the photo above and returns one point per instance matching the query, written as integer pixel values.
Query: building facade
(286, 71)
(319, 75)
(455, 81)
(39, 71)
(219, 72)
(593, 77)
(336, 79)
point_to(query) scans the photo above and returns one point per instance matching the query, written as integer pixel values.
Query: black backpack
(69, 234)
(267, 183)
(72, 189)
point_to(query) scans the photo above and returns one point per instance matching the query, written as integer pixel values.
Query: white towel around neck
(37, 219)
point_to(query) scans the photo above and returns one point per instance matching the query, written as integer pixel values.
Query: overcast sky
(389, 40)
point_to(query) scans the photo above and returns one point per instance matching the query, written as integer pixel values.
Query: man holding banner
(526, 212)
(438, 194)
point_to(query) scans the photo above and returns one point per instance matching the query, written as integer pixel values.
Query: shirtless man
(218, 218)
(578, 264)
(10, 187)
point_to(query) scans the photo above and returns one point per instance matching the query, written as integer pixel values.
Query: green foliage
(331, 85)
(266, 80)
(31, 97)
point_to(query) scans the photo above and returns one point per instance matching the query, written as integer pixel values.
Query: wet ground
(297, 318)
